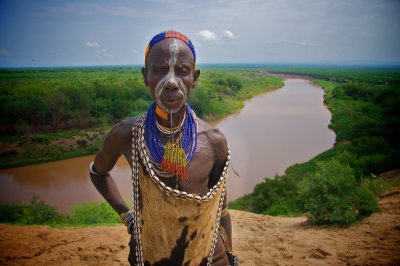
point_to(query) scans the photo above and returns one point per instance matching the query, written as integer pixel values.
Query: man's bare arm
(221, 152)
(106, 158)
(227, 225)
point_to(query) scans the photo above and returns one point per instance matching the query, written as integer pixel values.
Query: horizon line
(332, 64)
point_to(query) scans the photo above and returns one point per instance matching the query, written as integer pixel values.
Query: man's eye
(183, 71)
(161, 70)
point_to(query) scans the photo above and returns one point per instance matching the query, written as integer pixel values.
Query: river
(273, 131)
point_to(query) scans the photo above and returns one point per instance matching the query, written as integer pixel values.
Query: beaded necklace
(177, 153)
(169, 131)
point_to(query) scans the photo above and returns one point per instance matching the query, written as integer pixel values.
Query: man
(179, 166)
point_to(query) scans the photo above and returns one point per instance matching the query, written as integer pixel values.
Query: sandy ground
(258, 240)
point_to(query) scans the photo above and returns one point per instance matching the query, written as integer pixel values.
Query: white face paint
(171, 80)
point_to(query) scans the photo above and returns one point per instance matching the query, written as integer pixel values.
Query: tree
(333, 196)
(57, 105)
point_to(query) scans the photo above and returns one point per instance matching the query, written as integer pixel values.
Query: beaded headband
(170, 34)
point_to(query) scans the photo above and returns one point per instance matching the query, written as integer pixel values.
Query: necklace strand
(177, 153)
(170, 130)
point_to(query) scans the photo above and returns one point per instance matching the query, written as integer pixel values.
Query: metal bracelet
(128, 217)
(93, 172)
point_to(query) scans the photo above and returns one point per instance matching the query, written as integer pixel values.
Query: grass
(40, 213)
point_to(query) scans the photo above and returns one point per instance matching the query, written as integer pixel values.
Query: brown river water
(273, 131)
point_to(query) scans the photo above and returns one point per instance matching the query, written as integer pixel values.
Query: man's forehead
(164, 46)
(162, 49)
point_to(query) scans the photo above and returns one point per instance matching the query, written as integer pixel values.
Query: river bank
(363, 111)
(258, 240)
(292, 123)
(219, 94)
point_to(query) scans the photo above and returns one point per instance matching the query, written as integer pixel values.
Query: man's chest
(199, 168)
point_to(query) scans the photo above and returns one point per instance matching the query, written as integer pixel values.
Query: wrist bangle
(127, 218)
(93, 172)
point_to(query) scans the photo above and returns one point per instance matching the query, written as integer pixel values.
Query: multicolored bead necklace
(174, 157)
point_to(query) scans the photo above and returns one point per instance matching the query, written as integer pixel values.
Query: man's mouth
(171, 99)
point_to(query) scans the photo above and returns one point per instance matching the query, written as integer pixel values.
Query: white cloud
(276, 42)
(92, 44)
(207, 35)
(289, 43)
(103, 53)
(100, 51)
(308, 44)
(228, 34)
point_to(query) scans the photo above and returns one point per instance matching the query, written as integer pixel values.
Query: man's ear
(144, 73)
(196, 76)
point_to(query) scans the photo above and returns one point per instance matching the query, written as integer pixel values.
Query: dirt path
(258, 240)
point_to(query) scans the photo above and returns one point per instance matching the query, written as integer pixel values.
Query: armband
(93, 172)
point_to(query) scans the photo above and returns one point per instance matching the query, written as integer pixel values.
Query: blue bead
(153, 140)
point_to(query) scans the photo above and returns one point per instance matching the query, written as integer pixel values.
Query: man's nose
(171, 83)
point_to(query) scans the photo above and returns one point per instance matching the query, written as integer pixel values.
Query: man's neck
(177, 118)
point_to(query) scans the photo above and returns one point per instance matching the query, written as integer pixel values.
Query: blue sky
(85, 33)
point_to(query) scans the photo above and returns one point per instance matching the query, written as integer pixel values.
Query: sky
(89, 33)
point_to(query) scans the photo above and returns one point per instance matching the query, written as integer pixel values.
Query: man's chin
(172, 107)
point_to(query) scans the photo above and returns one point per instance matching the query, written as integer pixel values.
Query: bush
(82, 142)
(11, 213)
(332, 195)
(375, 185)
(234, 83)
(23, 128)
(242, 203)
(37, 212)
(93, 213)
(274, 192)
(280, 209)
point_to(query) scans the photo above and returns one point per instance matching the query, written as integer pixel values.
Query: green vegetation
(373, 75)
(44, 147)
(61, 113)
(54, 100)
(38, 212)
(332, 196)
(56, 113)
(93, 213)
(339, 186)
(221, 92)
(48, 100)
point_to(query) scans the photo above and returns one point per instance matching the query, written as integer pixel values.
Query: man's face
(169, 73)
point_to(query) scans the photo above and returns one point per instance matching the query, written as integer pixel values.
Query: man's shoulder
(123, 129)
(212, 133)
(214, 136)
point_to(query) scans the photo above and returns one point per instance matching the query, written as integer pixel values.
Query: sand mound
(258, 240)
